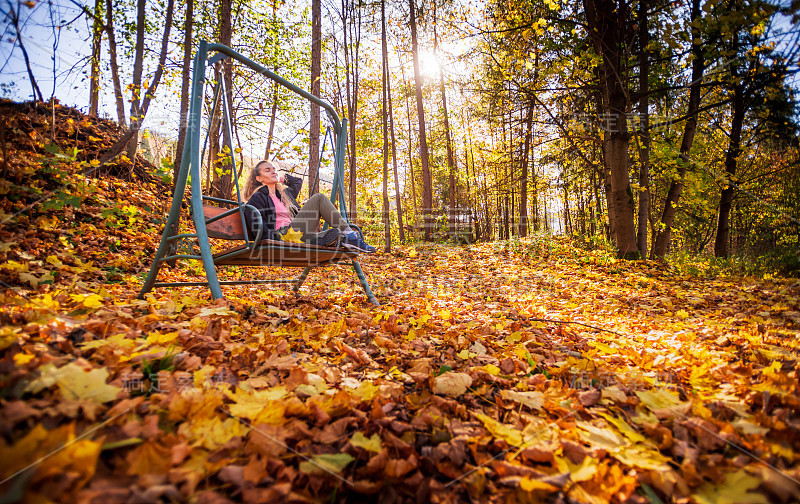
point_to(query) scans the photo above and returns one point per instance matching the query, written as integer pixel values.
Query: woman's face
(267, 175)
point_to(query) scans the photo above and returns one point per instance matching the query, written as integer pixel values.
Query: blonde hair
(252, 185)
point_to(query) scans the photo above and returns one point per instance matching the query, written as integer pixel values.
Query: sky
(38, 38)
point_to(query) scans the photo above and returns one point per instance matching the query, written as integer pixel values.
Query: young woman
(275, 196)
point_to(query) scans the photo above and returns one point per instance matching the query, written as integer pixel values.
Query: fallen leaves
(452, 384)
(533, 400)
(461, 386)
(75, 382)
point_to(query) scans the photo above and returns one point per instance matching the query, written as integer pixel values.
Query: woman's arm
(293, 185)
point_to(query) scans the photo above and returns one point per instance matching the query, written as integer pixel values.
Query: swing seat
(278, 253)
(229, 223)
(265, 252)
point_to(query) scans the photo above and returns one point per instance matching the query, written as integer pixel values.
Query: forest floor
(527, 371)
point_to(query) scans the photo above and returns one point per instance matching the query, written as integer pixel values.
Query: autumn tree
(316, 69)
(141, 98)
(387, 233)
(607, 24)
(689, 130)
(427, 188)
(97, 40)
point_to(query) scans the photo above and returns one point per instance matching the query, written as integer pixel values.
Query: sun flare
(429, 64)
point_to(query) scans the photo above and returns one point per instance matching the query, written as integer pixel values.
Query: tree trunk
(212, 177)
(273, 115)
(112, 50)
(351, 68)
(451, 165)
(567, 219)
(523, 181)
(184, 113)
(387, 230)
(131, 134)
(512, 176)
(427, 190)
(398, 199)
(136, 87)
(316, 71)
(467, 154)
(466, 178)
(97, 40)
(644, 128)
(223, 177)
(606, 25)
(14, 15)
(721, 243)
(410, 152)
(141, 101)
(485, 193)
(689, 129)
(582, 209)
(186, 79)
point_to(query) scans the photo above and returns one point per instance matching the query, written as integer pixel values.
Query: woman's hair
(252, 185)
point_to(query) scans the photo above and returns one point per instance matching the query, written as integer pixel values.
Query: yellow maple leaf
(736, 488)
(93, 301)
(211, 432)
(332, 463)
(75, 383)
(292, 236)
(530, 485)
(54, 452)
(509, 434)
(578, 472)
(466, 354)
(21, 359)
(372, 443)
(155, 338)
(532, 399)
(249, 403)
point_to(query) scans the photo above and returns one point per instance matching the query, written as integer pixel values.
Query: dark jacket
(261, 200)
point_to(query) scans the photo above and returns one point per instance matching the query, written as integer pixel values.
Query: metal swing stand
(215, 222)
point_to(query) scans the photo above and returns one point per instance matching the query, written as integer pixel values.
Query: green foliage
(120, 215)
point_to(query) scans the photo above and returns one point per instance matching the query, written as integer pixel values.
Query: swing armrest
(220, 200)
(227, 224)
(258, 220)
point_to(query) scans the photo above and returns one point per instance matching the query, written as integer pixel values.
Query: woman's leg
(318, 207)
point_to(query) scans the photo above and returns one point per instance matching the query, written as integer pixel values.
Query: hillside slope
(60, 214)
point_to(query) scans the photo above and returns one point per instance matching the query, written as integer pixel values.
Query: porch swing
(229, 224)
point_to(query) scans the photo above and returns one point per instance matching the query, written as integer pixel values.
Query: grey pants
(317, 207)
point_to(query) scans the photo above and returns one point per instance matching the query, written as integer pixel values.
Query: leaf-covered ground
(525, 371)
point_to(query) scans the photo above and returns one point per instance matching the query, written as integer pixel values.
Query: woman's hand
(281, 178)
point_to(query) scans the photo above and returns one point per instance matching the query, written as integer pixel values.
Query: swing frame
(223, 223)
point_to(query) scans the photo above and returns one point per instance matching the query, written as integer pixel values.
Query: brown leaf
(589, 397)
(179, 452)
(149, 458)
(574, 451)
(397, 468)
(150, 427)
